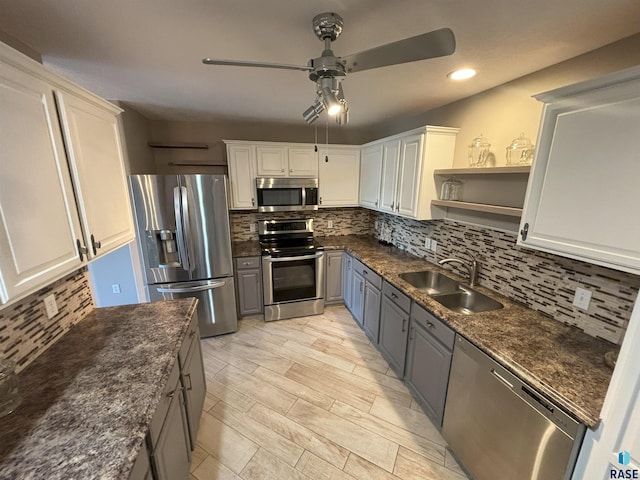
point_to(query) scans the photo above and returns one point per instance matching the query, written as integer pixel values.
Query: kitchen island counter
(87, 401)
(558, 360)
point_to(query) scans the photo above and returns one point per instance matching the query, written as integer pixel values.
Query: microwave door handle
(177, 209)
(289, 259)
(195, 288)
(304, 196)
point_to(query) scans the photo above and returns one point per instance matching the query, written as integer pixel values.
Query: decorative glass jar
(451, 189)
(9, 395)
(521, 151)
(479, 152)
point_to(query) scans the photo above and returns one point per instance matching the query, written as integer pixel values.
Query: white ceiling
(148, 52)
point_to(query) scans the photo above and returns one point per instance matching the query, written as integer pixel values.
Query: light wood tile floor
(311, 398)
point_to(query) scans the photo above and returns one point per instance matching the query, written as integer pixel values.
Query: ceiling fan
(327, 71)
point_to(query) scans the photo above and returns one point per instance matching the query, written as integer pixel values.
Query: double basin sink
(450, 293)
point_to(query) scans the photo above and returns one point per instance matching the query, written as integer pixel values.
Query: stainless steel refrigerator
(182, 224)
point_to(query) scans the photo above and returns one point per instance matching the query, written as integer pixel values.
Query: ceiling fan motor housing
(327, 25)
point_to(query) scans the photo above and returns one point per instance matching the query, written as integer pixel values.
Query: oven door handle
(289, 259)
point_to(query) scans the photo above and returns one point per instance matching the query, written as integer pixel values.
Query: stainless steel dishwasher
(500, 428)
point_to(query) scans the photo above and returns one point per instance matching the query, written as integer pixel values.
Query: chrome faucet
(473, 270)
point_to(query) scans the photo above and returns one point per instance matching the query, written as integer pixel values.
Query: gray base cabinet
(357, 296)
(249, 286)
(371, 317)
(333, 277)
(394, 327)
(174, 427)
(347, 278)
(168, 438)
(193, 381)
(428, 361)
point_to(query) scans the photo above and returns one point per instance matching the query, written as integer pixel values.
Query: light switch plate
(50, 305)
(252, 228)
(434, 244)
(115, 288)
(329, 223)
(582, 298)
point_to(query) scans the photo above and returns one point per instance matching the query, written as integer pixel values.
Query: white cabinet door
(272, 161)
(339, 178)
(39, 224)
(584, 191)
(370, 169)
(241, 162)
(303, 161)
(389, 178)
(409, 175)
(97, 167)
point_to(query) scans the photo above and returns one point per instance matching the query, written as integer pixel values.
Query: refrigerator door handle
(185, 222)
(194, 288)
(182, 248)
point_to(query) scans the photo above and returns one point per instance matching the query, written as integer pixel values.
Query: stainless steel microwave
(287, 194)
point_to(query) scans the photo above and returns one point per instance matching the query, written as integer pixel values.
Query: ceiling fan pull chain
(315, 146)
(326, 152)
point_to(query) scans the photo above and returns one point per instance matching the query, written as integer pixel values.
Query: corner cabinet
(338, 176)
(583, 188)
(50, 216)
(399, 177)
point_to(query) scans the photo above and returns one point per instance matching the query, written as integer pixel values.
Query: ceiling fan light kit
(326, 70)
(462, 74)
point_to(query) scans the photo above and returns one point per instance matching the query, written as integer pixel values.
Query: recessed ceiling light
(462, 74)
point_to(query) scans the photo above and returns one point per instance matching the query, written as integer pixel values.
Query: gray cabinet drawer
(434, 326)
(367, 273)
(397, 296)
(243, 263)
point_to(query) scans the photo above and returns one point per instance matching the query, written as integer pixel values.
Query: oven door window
(279, 197)
(294, 280)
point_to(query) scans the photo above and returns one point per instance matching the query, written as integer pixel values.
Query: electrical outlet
(115, 288)
(434, 244)
(427, 243)
(377, 225)
(329, 223)
(252, 228)
(582, 298)
(50, 305)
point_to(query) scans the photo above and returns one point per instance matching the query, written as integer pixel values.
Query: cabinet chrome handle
(404, 324)
(171, 394)
(82, 251)
(361, 287)
(95, 244)
(411, 331)
(190, 387)
(193, 332)
(376, 203)
(392, 204)
(364, 272)
(320, 200)
(253, 202)
(393, 295)
(430, 325)
(282, 170)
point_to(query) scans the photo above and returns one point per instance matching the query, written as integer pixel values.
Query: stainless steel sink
(430, 282)
(467, 301)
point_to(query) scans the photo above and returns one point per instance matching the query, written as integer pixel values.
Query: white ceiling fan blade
(243, 63)
(437, 43)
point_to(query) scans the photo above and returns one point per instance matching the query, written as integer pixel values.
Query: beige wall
(136, 132)
(503, 112)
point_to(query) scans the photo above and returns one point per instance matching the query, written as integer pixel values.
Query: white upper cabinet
(47, 214)
(282, 160)
(399, 171)
(241, 160)
(39, 225)
(339, 174)
(583, 191)
(370, 169)
(97, 167)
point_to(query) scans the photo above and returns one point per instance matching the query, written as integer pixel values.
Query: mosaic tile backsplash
(541, 281)
(25, 330)
(346, 221)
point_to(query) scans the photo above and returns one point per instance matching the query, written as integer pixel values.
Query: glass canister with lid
(521, 151)
(451, 189)
(479, 152)
(9, 394)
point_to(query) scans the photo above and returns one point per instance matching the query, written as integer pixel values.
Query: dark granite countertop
(248, 248)
(87, 401)
(558, 360)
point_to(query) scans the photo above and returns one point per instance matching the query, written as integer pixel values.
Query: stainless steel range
(292, 269)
